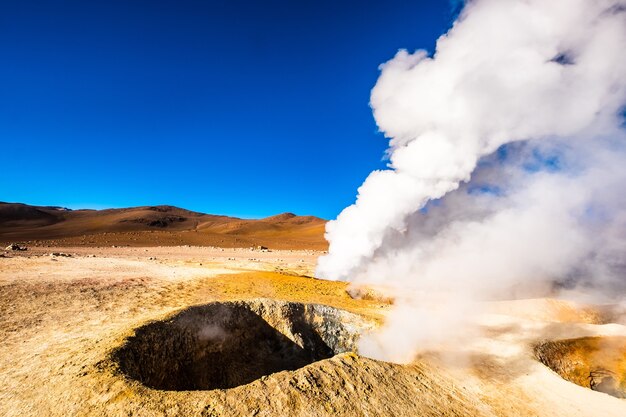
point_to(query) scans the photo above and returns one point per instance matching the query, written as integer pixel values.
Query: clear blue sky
(247, 108)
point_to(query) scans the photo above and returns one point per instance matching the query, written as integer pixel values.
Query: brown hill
(155, 226)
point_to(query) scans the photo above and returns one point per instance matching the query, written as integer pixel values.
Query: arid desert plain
(208, 331)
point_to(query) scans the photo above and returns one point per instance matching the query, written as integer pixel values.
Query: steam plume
(507, 166)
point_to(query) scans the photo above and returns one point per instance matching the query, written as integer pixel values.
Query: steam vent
(224, 345)
(598, 363)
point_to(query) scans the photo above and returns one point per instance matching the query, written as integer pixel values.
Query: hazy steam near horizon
(507, 167)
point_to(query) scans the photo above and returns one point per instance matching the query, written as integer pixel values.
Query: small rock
(15, 246)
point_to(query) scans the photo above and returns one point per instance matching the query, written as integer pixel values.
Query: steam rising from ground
(507, 168)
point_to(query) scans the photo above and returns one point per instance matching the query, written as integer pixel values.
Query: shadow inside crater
(224, 345)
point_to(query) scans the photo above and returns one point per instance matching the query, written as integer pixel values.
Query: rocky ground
(66, 316)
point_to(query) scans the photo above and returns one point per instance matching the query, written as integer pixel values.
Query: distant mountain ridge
(156, 225)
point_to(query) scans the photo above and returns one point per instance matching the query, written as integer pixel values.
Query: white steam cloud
(507, 167)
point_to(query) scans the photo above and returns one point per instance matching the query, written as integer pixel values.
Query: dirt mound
(224, 345)
(283, 217)
(598, 363)
(18, 214)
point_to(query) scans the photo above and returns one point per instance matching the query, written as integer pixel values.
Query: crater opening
(224, 345)
(598, 363)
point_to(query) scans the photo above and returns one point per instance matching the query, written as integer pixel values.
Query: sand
(62, 316)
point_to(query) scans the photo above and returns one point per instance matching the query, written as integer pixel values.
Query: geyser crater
(598, 363)
(227, 344)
